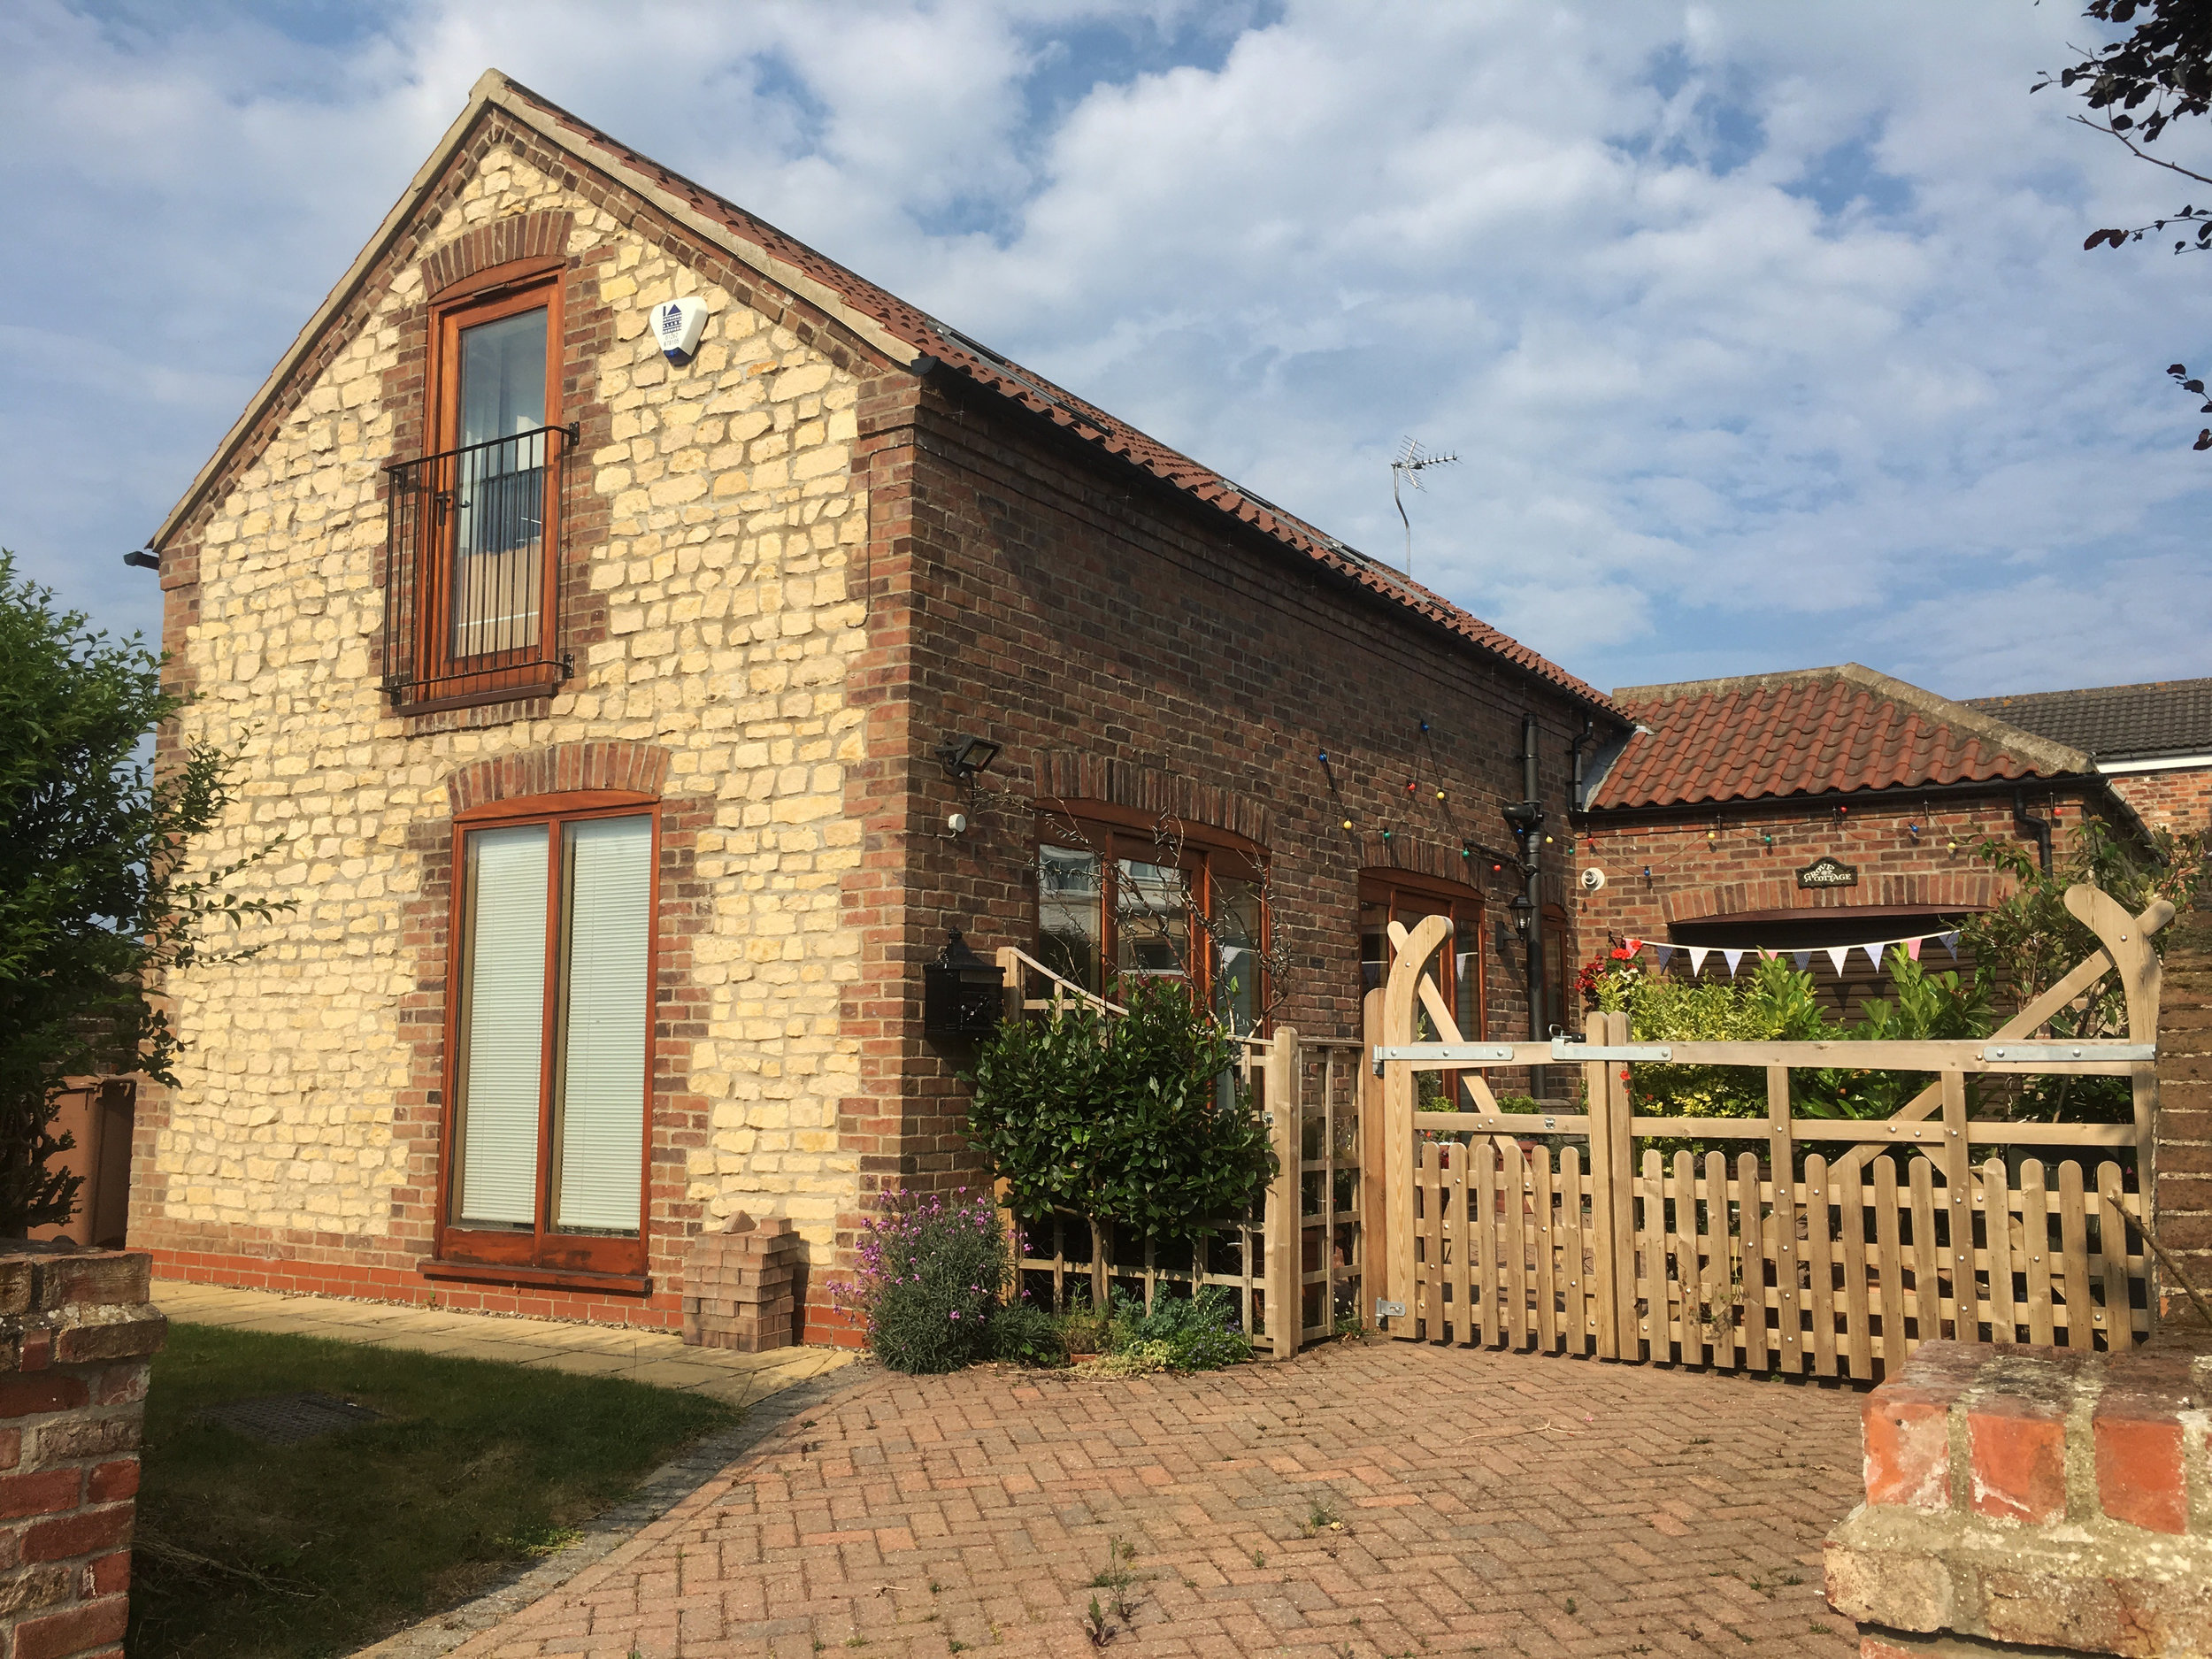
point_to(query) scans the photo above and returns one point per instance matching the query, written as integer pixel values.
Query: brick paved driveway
(1489, 1502)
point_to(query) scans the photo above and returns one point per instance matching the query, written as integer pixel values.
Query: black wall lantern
(1522, 911)
(963, 995)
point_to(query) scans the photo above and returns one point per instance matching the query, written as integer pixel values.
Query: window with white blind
(554, 1006)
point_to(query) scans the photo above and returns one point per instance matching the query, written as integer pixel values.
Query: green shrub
(1023, 1333)
(1195, 1333)
(929, 1280)
(1137, 1119)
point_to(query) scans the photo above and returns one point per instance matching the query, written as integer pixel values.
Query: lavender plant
(931, 1272)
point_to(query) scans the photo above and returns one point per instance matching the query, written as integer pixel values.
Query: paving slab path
(1376, 1500)
(658, 1357)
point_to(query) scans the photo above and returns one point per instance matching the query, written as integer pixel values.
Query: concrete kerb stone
(677, 1487)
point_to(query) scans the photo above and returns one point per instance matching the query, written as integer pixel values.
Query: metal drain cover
(288, 1419)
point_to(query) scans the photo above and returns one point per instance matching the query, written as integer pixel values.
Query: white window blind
(506, 1026)
(602, 1124)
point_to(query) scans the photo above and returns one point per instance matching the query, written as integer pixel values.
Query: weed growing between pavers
(247, 1551)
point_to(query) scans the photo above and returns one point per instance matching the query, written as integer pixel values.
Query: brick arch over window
(1936, 891)
(517, 236)
(558, 769)
(1067, 778)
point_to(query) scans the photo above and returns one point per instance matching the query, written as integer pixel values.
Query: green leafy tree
(2031, 942)
(1135, 1119)
(97, 899)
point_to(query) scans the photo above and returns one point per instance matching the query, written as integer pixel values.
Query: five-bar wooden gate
(1498, 1228)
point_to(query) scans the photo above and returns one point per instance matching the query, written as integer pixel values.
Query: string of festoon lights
(1876, 951)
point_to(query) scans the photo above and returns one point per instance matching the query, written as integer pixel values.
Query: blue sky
(1765, 332)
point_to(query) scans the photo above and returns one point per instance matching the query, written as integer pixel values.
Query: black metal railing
(472, 570)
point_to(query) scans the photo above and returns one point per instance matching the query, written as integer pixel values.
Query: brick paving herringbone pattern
(1490, 1503)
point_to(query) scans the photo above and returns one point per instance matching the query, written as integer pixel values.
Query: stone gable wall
(713, 517)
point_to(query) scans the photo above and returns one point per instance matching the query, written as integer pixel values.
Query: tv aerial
(1411, 463)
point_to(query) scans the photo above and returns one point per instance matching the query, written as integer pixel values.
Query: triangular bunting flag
(1665, 954)
(1803, 959)
(1635, 946)
(1733, 958)
(1839, 954)
(1874, 955)
(1698, 953)
(1951, 943)
(1912, 948)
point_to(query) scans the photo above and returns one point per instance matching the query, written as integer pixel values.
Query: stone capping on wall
(76, 1336)
(539, 235)
(2031, 1495)
(559, 769)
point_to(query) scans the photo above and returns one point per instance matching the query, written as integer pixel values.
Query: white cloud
(1764, 334)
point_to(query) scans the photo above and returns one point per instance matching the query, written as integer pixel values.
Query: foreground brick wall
(2183, 1210)
(76, 1334)
(2040, 1496)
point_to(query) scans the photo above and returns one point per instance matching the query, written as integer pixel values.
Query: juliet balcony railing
(474, 589)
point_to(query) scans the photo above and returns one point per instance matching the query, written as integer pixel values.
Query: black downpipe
(2037, 829)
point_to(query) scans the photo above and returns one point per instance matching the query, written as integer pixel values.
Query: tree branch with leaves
(100, 896)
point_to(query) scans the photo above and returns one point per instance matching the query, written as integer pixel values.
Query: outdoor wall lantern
(1522, 909)
(964, 757)
(962, 995)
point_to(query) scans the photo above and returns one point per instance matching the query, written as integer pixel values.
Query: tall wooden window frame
(1462, 974)
(490, 296)
(1205, 856)
(542, 1253)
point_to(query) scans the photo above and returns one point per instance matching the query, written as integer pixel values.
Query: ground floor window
(551, 1053)
(1131, 902)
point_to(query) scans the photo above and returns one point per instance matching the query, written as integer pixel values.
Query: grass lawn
(249, 1551)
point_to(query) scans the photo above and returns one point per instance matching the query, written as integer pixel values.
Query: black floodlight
(964, 757)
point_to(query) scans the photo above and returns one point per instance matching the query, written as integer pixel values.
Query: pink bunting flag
(1912, 948)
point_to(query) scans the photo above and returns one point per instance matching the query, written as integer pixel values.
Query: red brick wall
(1705, 866)
(76, 1335)
(1024, 589)
(2180, 800)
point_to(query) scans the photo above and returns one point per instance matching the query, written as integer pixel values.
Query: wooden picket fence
(1301, 1248)
(1499, 1230)
(1505, 1251)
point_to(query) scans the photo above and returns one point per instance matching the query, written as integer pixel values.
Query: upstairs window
(473, 600)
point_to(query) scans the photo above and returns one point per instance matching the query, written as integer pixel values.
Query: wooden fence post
(1622, 1151)
(1781, 1159)
(1284, 1219)
(1605, 1241)
(1374, 1198)
(1958, 1180)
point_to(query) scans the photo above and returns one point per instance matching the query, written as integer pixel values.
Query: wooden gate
(1553, 1232)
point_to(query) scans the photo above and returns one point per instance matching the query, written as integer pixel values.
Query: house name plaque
(1827, 871)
